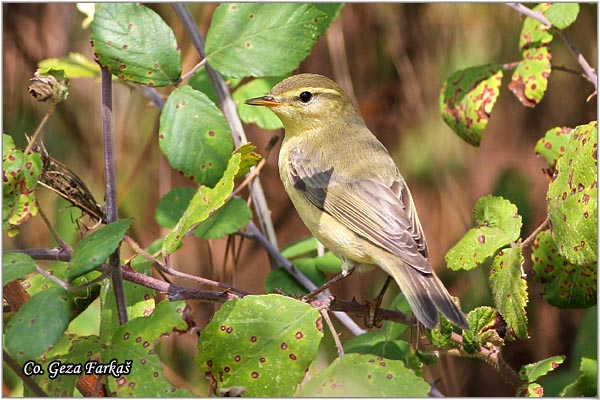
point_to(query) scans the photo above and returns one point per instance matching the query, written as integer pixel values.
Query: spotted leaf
(247, 39)
(467, 99)
(509, 289)
(553, 145)
(497, 224)
(534, 33)
(572, 198)
(530, 79)
(16, 265)
(262, 343)
(481, 322)
(38, 324)
(566, 285)
(365, 375)
(20, 174)
(135, 44)
(136, 341)
(194, 136)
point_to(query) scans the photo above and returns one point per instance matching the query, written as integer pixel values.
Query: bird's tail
(427, 296)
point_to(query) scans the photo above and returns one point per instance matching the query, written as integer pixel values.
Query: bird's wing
(382, 214)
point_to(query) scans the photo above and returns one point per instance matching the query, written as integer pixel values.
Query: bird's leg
(370, 320)
(347, 269)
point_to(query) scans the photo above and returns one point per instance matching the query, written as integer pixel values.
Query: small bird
(350, 193)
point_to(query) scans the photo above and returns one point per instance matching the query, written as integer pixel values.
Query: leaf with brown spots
(38, 324)
(467, 98)
(534, 33)
(135, 44)
(16, 265)
(194, 136)
(497, 224)
(262, 39)
(263, 343)
(20, 174)
(530, 79)
(566, 285)
(553, 145)
(509, 289)
(136, 341)
(530, 373)
(572, 198)
(365, 375)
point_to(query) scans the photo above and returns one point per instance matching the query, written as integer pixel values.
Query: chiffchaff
(350, 194)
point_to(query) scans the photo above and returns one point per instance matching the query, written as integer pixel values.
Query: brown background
(393, 58)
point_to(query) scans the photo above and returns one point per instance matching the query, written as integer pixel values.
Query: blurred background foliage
(392, 59)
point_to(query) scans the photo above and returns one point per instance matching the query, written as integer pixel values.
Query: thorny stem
(229, 110)
(492, 357)
(589, 72)
(38, 131)
(111, 192)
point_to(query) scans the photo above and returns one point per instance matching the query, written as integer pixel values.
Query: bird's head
(308, 100)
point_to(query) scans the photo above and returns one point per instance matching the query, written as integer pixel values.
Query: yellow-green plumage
(350, 194)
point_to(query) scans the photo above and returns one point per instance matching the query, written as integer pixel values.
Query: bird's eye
(305, 97)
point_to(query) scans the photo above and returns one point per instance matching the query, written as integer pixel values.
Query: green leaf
(20, 173)
(586, 384)
(375, 344)
(534, 33)
(530, 79)
(205, 201)
(440, 335)
(532, 372)
(307, 246)
(75, 65)
(16, 265)
(566, 285)
(467, 98)
(136, 341)
(71, 349)
(249, 158)
(572, 198)
(135, 44)
(172, 205)
(481, 320)
(261, 116)
(509, 289)
(356, 375)
(562, 14)
(250, 341)
(95, 248)
(553, 145)
(227, 220)
(331, 9)
(497, 224)
(38, 324)
(280, 279)
(201, 82)
(246, 39)
(194, 136)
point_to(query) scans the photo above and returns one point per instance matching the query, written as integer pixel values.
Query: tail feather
(427, 296)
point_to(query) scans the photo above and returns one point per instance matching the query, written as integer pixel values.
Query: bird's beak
(267, 101)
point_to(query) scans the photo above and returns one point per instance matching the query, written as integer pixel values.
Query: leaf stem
(537, 230)
(38, 131)
(111, 191)
(192, 71)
